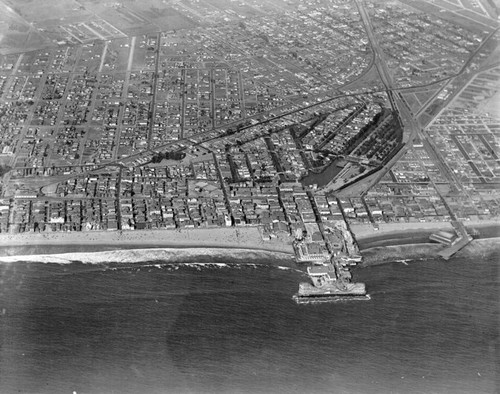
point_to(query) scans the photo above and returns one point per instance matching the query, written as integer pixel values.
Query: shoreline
(424, 251)
(221, 238)
(220, 256)
(394, 234)
(159, 256)
(410, 242)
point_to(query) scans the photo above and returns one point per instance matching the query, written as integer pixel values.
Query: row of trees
(4, 170)
(365, 130)
(168, 156)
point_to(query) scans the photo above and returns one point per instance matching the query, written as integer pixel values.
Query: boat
(328, 286)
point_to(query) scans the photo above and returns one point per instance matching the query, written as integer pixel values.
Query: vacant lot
(39, 11)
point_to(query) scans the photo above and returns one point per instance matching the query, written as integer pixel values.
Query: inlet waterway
(325, 176)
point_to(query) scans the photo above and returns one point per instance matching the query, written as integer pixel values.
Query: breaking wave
(159, 255)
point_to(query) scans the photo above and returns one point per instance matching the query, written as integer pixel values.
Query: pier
(463, 240)
(330, 247)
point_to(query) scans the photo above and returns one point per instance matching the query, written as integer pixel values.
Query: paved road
(410, 124)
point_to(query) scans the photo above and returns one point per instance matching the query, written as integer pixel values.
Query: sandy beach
(414, 233)
(411, 252)
(362, 231)
(390, 242)
(227, 237)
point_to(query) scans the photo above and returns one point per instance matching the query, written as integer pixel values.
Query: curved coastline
(400, 233)
(424, 251)
(410, 241)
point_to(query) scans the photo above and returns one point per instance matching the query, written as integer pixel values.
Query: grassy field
(37, 11)
(136, 18)
(16, 34)
(162, 15)
(449, 16)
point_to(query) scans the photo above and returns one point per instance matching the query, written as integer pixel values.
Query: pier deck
(451, 250)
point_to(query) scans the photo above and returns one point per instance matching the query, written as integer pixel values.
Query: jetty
(462, 240)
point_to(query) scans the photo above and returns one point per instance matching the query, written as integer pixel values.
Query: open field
(451, 16)
(140, 18)
(16, 34)
(492, 105)
(39, 11)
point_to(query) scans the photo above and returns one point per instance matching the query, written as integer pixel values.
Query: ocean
(222, 323)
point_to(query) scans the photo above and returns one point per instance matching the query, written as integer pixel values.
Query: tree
(168, 156)
(4, 170)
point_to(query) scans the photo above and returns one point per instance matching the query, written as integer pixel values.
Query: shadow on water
(147, 329)
(325, 176)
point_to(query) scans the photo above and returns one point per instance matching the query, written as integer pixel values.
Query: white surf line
(103, 56)
(280, 267)
(143, 254)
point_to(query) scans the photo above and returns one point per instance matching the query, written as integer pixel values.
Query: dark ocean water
(431, 327)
